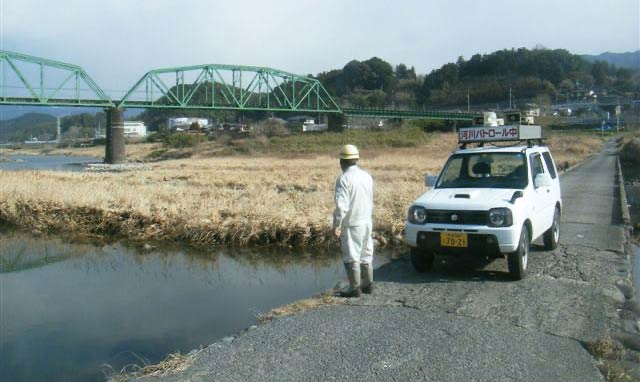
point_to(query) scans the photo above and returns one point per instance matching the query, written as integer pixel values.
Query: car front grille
(457, 217)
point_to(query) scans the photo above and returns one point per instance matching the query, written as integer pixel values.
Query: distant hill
(26, 126)
(629, 60)
(14, 111)
(21, 123)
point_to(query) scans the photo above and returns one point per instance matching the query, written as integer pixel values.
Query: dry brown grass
(568, 150)
(609, 354)
(174, 363)
(303, 305)
(605, 347)
(228, 200)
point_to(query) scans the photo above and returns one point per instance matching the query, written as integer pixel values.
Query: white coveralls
(354, 205)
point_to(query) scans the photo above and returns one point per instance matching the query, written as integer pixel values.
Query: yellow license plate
(453, 239)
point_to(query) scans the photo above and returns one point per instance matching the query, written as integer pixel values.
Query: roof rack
(528, 142)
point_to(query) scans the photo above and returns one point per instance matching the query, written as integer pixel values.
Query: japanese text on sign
(488, 133)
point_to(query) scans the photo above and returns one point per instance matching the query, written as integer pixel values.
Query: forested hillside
(538, 75)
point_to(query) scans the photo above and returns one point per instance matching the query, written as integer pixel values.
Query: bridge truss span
(29, 80)
(229, 87)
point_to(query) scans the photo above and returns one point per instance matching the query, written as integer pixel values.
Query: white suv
(489, 201)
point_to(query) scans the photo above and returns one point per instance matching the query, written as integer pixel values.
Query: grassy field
(252, 198)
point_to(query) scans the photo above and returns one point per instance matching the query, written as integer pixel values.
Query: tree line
(539, 75)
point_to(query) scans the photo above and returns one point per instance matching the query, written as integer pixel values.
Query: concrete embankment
(573, 315)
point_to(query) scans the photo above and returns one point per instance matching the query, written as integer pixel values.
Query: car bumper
(479, 238)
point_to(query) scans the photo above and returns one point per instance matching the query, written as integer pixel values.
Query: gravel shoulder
(465, 320)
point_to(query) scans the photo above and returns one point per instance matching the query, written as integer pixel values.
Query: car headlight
(500, 217)
(417, 215)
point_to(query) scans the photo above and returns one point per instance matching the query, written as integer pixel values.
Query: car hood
(466, 198)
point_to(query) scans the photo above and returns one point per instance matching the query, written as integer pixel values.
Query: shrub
(630, 152)
(179, 141)
(273, 128)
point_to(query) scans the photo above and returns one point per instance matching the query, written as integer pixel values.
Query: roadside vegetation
(275, 197)
(630, 152)
(610, 355)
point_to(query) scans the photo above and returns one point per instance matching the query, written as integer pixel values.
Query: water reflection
(84, 306)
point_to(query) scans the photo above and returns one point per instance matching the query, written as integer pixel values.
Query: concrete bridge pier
(336, 121)
(114, 148)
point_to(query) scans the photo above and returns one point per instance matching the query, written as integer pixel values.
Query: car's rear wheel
(422, 261)
(518, 260)
(551, 237)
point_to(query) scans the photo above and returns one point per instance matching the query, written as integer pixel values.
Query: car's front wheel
(422, 261)
(551, 236)
(517, 261)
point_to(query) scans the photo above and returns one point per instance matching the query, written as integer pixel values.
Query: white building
(135, 129)
(183, 123)
(310, 125)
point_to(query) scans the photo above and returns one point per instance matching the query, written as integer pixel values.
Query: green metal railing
(408, 114)
(229, 87)
(28, 80)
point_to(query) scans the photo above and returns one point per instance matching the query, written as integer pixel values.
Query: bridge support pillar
(336, 122)
(114, 148)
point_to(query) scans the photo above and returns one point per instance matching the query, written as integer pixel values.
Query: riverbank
(574, 318)
(630, 162)
(266, 199)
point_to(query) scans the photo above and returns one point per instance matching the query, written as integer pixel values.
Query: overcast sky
(117, 41)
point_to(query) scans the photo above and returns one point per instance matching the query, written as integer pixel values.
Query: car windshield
(485, 170)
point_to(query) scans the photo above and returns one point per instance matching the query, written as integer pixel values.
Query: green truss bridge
(29, 80)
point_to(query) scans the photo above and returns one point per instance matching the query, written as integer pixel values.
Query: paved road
(460, 322)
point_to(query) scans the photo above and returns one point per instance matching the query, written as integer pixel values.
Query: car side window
(536, 165)
(550, 165)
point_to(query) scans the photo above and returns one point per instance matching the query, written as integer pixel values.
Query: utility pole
(58, 131)
(468, 103)
(509, 97)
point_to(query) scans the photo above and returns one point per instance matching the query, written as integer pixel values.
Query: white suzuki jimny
(488, 201)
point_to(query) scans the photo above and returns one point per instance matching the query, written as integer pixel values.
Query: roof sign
(499, 133)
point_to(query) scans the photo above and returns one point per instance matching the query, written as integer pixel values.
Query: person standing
(352, 222)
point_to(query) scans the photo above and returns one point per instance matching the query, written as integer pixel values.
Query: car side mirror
(515, 196)
(430, 180)
(542, 180)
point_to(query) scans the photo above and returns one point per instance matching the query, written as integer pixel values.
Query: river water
(67, 310)
(41, 162)
(77, 312)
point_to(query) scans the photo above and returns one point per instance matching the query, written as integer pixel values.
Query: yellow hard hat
(349, 152)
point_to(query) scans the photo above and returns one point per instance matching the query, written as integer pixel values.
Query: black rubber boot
(350, 293)
(367, 278)
(353, 273)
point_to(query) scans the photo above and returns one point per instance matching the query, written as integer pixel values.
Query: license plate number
(451, 239)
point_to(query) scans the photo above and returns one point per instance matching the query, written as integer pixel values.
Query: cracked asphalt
(465, 320)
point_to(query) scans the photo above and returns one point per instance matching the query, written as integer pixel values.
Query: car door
(543, 201)
(555, 180)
